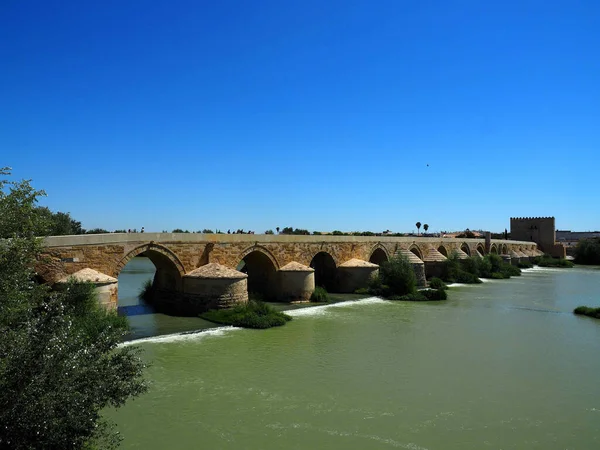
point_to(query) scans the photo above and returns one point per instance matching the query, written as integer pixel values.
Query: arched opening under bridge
(465, 248)
(481, 249)
(145, 274)
(443, 250)
(378, 256)
(325, 271)
(261, 275)
(493, 249)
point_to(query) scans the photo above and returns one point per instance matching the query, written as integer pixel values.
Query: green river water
(500, 365)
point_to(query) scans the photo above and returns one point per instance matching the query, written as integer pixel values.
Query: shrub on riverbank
(525, 265)
(549, 261)
(588, 251)
(398, 276)
(469, 270)
(397, 281)
(437, 283)
(587, 311)
(424, 295)
(320, 295)
(254, 314)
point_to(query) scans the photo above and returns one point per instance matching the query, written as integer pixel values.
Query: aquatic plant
(319, 295)
(587, 311)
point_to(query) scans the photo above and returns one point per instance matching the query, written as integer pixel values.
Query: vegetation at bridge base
(437, 283)
(320, 295)
(423, 295)
(397, 281)
(471, 269)
(588, 251)
(587, 311)
(549, 261)
(59, 361)
(525, 265)
(254, 314)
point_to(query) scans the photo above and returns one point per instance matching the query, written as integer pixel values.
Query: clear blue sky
(311, 114)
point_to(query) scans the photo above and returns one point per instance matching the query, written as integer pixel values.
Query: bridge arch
(263, 250)
(494, 249)
(325, 271)
(261, 267)
(504, 249)
(481, 248)
(443, 250)
(416, 250)
(379, 255)
(169, 268)
(465, 248)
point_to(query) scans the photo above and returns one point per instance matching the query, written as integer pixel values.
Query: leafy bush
(588, 251)
(254, 314)
(587, 311)
(434, 294)
(413, 297)
(437, 283)
(398, 275)
(525, 265)
(319, 295)
(464, 271)
(424, 295)
(548, 261)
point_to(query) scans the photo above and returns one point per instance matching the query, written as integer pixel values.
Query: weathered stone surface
(176, 255)
(214, 270)
(354, 262)
(88, 275)
(296, 267)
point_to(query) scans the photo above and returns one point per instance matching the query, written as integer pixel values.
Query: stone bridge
(283, 267)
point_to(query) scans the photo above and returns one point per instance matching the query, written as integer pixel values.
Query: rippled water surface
(504, 364)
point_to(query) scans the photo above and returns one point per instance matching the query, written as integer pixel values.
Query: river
(500, 365)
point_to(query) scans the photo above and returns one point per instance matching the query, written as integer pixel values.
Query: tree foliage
(588, 251)
(59, 360)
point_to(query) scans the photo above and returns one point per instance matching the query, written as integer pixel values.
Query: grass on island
(254, 314)
(587, 311)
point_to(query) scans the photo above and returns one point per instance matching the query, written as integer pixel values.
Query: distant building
(570, 238)
(540, 230)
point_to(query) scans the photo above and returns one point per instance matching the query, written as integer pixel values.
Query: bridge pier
(106, 287)
(296, 282)
(355, 274)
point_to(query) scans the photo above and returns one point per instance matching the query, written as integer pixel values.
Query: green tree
(59, 361)
(418, 225)
(269, 232)
(425, 228)
(398, 275)
(588, 251)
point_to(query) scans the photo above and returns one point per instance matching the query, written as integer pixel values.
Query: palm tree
(277, 230)
(425, 227)
(418, 225)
